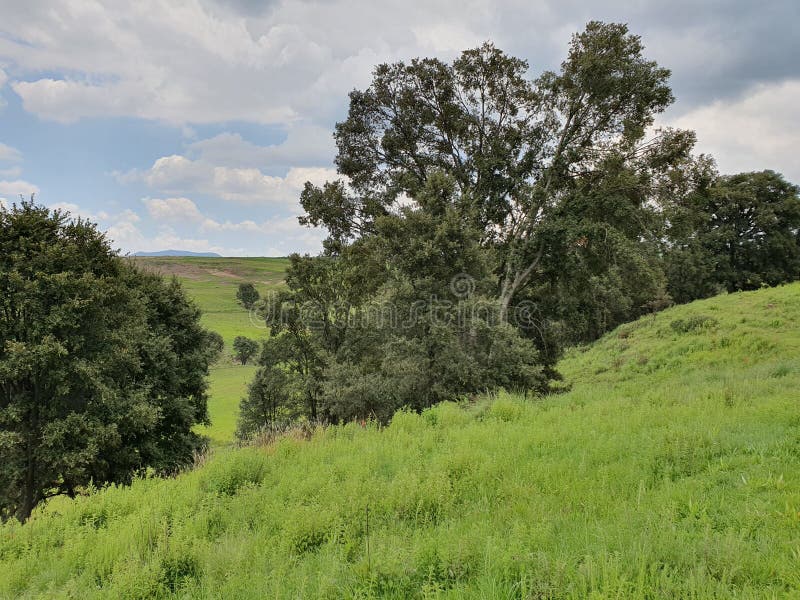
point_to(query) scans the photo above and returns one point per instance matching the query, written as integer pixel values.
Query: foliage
(247, 295)
(270, 403)
(670, 470)
(399, 318)
(244, 348)
(102, 367)
(540, 197)
(214, 346)
(516, 149)
(738, 233)
(695, 323)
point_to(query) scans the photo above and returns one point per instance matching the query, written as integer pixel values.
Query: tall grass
(671, 469)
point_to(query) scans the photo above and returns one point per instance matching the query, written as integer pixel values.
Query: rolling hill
(669, 469)
(178, 253)
(212, 284)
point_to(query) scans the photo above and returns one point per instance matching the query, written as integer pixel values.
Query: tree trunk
(29, 484)
(514, 280)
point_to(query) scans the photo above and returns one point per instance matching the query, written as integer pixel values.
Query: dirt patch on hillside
(218, 273)
(170, 268)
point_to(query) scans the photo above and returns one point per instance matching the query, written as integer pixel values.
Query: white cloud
(129, 238)
(3, 80)
(277, 230)
(69, 207)
(11, 173)
(188, 61)
(125, 232)
(178, 174)
(178, 61)
(101, 217)
(758, 131)
(305, 145)
(173, 209)
(195, 61)
(446, 37)
(17, 187)
(9, 153)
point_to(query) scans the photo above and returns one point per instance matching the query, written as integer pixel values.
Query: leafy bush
(102, 367)
(693, 324)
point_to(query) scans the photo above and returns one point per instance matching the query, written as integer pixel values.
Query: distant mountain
(179, 253)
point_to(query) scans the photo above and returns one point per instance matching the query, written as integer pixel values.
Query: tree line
(552, 199)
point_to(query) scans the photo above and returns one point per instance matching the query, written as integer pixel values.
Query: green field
(212, 284)
(671, 469)
(227, 386)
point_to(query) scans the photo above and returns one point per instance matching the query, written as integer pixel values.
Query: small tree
(214, 346)
(247, 295)
(269, 402)
(244, 348)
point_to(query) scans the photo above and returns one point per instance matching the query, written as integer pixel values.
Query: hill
(671, 468)
(178, 253)
(212, 284)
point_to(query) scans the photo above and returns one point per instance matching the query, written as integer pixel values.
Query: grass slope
(212, 283)
(227, 385)
(671, 469)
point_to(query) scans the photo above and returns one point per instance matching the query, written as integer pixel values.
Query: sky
(193, 124)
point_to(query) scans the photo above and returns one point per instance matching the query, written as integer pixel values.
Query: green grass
(227, 386)
(671, 469)
(212, 284)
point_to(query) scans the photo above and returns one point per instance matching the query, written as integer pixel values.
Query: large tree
(398, 318)
(102, 367)
(518, 149)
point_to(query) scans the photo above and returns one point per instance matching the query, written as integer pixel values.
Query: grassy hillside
(212, 284)
(671, 469)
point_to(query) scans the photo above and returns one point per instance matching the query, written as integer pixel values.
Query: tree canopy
(247, 295)
(102, 367)
(244, 348)
(516, 149)
(737, 232)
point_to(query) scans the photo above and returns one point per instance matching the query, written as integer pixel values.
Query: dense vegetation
(484, 222)
(670, 469)
(102, 367)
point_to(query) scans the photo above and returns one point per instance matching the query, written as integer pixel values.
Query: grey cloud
(306, 145)
(716, 50)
